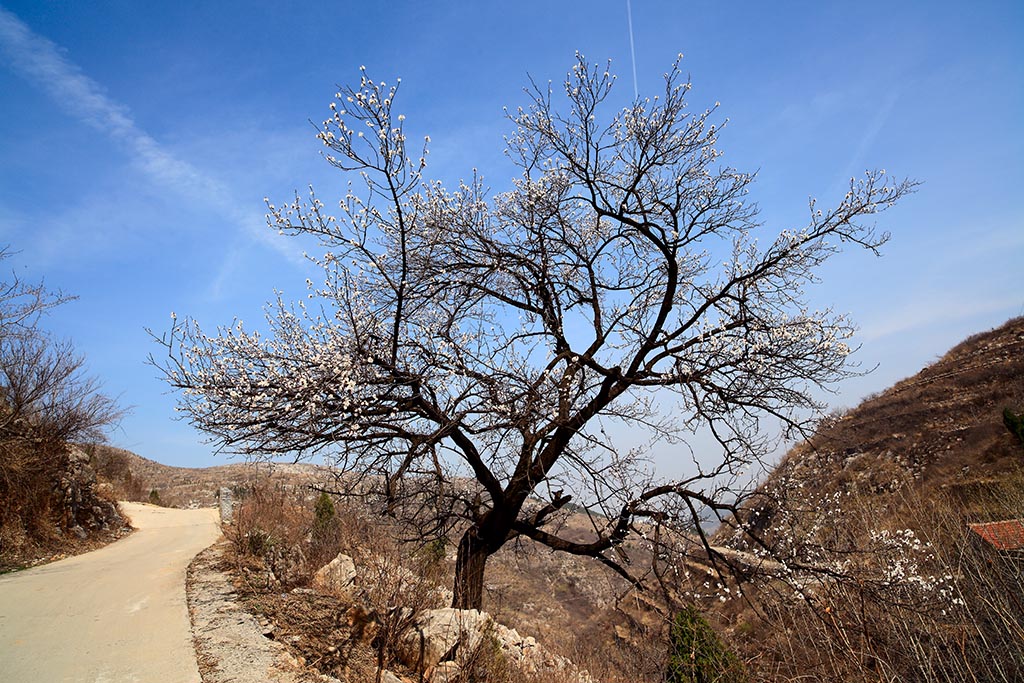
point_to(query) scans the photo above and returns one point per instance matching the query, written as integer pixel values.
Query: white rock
(437, 634)
(388, 677)
(337, 577)
(445, 672)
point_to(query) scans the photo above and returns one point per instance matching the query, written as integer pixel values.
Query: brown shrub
(272, 524)
(46, 402)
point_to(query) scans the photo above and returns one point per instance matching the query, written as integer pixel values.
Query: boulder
(439, 635)
(388, 677)
(337, 577)
(446, 672)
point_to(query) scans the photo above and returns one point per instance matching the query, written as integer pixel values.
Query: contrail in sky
(42, 62)
(632, 50)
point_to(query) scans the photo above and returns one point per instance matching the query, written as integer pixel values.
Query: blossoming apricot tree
(483, 348)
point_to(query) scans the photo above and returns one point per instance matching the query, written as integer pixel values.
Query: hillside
(942, 427)
(883, 497)
(134, 477)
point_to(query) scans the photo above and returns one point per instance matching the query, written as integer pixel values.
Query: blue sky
(137, 141)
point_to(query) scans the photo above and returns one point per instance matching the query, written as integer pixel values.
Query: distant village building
(1006, 536)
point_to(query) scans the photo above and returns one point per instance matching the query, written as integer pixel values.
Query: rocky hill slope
(943, 428)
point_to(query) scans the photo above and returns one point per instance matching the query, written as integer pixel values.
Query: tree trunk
(469, 571)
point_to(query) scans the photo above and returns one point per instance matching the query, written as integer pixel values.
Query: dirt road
(112, 615)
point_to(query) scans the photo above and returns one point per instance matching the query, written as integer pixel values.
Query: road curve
(114, 615)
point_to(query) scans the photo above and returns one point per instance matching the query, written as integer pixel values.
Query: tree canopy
(477, 351)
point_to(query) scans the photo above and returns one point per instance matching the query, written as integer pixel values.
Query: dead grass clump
(394, 595)
(27, 522)
(621, 655)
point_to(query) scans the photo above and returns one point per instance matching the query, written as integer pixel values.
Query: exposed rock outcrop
(77, 497)
(337, 577)
(442, 635)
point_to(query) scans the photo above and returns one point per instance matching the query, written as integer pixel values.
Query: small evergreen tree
(1015, 423)
(698, 655)
(154, 497)
(324, 511)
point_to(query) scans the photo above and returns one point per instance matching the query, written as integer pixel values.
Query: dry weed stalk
(970, 631)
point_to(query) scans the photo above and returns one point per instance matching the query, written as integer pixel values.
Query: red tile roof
(1005, 535)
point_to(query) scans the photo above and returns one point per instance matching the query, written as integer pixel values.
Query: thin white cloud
(942, 307)
(229, 265)
(42, 62)
(855, 168)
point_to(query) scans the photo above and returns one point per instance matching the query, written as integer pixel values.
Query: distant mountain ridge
(134, 477)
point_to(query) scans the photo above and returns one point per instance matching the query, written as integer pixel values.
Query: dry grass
(859, 638)
(945, 423)
(931, 455)
(279, 545)
(969, 629)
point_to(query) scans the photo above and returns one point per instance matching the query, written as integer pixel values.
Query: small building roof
(1005, 535)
